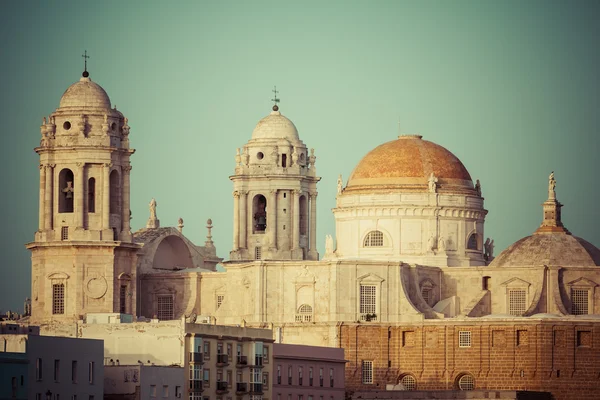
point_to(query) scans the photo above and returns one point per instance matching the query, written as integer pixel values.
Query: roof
(85, 93)
(275, 126)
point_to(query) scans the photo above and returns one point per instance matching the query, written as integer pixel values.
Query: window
(310, 376)
(74, 371)
(38, 369)
(177, 391)
(229, 349)
(517, 301)
(123, 299)
(265, 380)
(265, 354)
(368, 302)
(300, 376)
(152, 390)
(464, 339)
(409, 382)
(259, 208)
(331, 376)
(65, 188)
(195, 371)
(466, 382)
(165, 307)
(485, 283)
(229, 378)
(374, 239)
(304, 313)
(220, 298)
(472, 242)
(64, 233)
(206, 350)
(115, 192)
(206, 377)
(579, 301)
(58, 298)
(426, 292)
(56, 370)
(290, 375)
(321, 377)
(367, 372)
(165, 391)
(92, 195)
(91, 372)
(279, 374)
(257, 253)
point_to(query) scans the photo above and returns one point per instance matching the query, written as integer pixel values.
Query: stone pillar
(79, 195)
(296, 220)
(41, 209)
(243, 217)
(272, 219)
(106, 197)
(313, 223)
(236, 220)
(125, 217)
(48, 196)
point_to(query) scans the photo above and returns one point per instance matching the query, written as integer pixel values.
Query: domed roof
(85, 93)
(556, 248)
(275, 126)
(408, 162)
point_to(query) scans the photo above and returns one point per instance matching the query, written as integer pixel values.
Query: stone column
(296, 220)
(41, 220)
(313, 222)
(272, 219)
(236, 220)
(79, 195)
(106, 197)
(126, 202)
(243, 218)
(48, 197)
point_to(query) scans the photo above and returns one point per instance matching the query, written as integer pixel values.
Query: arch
(172, 253)
(473, 241)
(65, 191)
(465, 381)
(91, 195)
(115, 193)
(259, 214)
(303, 214)
(408, 381)
(304, 313)
(374, 238)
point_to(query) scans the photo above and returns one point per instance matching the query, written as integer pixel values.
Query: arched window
(115, 193)
(303, 215)
(472, 242)
(486, 283)
(92, 195)
(259, 212)
(409, 382)
(466, 382)
(65, 191)
(304, 314)
(374, 239)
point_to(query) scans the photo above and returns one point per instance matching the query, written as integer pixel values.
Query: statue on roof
(340, 184)
(432, 181)
(551, 186)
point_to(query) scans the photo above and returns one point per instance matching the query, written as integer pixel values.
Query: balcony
(368, 317)
(222, 360)
(258, 360)
(196, 358)
(256, 388)
(222, 387)
(241, 388)
(242, 361)
(195, 386)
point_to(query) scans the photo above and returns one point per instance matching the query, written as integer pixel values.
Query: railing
(241, 387)
(242, 360)
(256, 388)
(303, 318)
(222, 360)
(196, 358)
(368, 317)
(222, 387)
(195, 386)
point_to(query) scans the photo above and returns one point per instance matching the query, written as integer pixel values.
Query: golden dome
(407, 163)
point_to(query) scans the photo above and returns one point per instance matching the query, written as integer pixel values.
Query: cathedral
(409, 286)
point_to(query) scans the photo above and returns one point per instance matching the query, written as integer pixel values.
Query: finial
(209, 241)
(85, 57)
(275, 99)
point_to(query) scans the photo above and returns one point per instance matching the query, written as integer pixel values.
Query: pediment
(370, 278)
(123, 276)
(58, 275)
(305, 276)
(428, 283)
(516, 282)
(584, 282)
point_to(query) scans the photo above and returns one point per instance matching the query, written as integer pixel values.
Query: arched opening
(486, 283)
(408, 382)
(65, 195)
(114, 192)
(303, 215)
(373, 239)
(304, 313)
(284, 160)
(172, 254)
(472, 242)
(259, 211)
(92, 195)
(466, 382)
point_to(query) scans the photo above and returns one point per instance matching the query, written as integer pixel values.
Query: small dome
(549, 249)
(275, 126)
(85, 93)
(407, 163)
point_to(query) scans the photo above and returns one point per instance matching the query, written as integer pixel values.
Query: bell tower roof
(275, 126)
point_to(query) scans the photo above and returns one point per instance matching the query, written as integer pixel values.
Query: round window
(466, 382)
(260, 155)
(409, 382)
(67, 125)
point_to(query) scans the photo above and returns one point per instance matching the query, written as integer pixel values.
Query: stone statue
(432, 183)
(441, 244)
(488, 249)
(312, 158)
(478, 188)
(328, 244)
(431, 243)
(180, 224)
(238, 157)
(340, 184)
(68, 191)
(153, 209)
(551, 186)
(44, 122)
(246, 158)
(294, 156)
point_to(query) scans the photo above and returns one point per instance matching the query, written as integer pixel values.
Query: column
(42, 197)
(126, 201)
(236, 220)
(296, 220)
(48, 196)
(243, 218)
(272, 219)
(79, 195)
(313, 222)
(106, 197)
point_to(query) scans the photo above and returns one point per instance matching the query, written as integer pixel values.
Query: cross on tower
(275, 99)
(85, 57)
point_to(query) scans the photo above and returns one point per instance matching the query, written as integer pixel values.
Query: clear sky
(510, 87)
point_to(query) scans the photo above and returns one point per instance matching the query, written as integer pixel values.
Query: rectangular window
(195, 371)
(165, 391)
(367, 372)
(229, 350)
(265, 354)
(257, 253)
(91, 372)
(58, 298)
(219, 348)
(517, 301)
(38, 369)
(56, 370)
(579, 301)
(206, 350)
(464, 339)
(152, 390)
(220, 298)
(279, 374)
(229, 378)
(300, 376)
(165, 307)
(265, 380)
(123, 299)
(321, 377)
(310, 376)
(290, 375)
(330, 377)
(64, 233)
(368, 302)
(206, 377)
(177, 391)
(74, 371)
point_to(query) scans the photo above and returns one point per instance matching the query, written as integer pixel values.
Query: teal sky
(510, 87)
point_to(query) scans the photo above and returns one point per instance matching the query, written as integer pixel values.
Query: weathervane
(85, 57)
(275, 99)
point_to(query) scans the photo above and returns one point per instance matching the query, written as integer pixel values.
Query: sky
(512, 88)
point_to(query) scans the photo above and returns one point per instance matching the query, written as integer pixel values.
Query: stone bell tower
(275, 194)
(83, 255)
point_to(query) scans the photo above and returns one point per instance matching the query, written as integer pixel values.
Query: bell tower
(275, 194)
(83, 255)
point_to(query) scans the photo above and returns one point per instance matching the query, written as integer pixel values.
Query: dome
(408, 162)
(85, 93)
(275, 126)
(549, 249)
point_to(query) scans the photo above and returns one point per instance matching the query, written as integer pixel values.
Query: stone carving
(246, 158)
(340, 184)
(312, 158)
(209, 241)
(68, 191)
(431, 243)
(153, 221)
(551, 186)
(44, 121)
(238, 157)
(153, 208)
(478, 188)
(488, 248)
(95, 287)
(180, 225)
(294, 157)
(328, 244)
(432, 181)
(126, 127)
(441, 244)
(275, 155)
